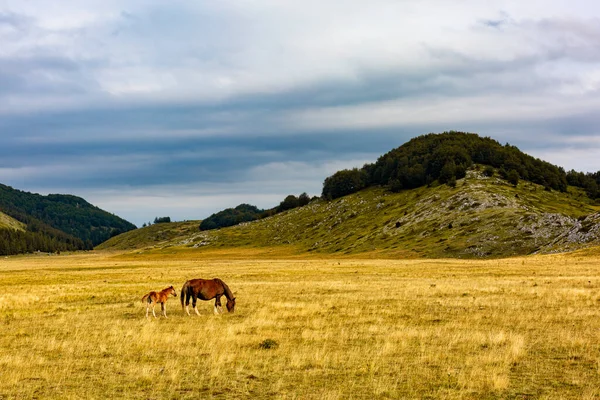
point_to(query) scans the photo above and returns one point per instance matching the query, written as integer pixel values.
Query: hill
(6, 222)
(446, 157)
(53, 223)
(480, 217)
(152, 236)
(423, 161)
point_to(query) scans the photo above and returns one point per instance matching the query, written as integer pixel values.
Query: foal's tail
(145, 298)
(183, 292)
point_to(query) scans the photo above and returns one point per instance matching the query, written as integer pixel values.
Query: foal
(158, 297)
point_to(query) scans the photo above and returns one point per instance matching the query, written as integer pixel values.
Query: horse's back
(205, 289)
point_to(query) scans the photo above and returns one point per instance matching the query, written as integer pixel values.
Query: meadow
(73, 326)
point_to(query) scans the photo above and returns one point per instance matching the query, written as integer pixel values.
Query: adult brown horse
(206, 289)
(158, 297)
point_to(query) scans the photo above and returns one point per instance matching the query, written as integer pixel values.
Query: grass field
(73, 326)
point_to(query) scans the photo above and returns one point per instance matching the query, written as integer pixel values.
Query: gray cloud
(224, 102)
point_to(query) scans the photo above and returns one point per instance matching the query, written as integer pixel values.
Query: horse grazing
(158, 297)
(206, 289)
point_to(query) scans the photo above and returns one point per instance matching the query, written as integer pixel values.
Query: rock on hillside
(583, 231)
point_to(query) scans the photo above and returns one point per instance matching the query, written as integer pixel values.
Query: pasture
(74, 326)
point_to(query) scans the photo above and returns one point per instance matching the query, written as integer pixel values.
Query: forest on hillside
(247, 212)
(55, 222)
(18, 242)
(445, 157)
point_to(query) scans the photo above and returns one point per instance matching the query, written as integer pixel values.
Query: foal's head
(171, 291)
(230, 304)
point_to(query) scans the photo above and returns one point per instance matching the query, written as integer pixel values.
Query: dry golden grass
(73, 326)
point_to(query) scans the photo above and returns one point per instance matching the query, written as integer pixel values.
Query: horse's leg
(153, 313)
(147, 308)
(218, 307)
(195, 304)
(163, 307)
(187, 303)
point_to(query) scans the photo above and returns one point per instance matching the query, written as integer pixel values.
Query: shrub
(513, 177)
(268, 344)
(488, 171)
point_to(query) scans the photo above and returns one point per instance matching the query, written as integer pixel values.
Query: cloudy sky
(182, 108)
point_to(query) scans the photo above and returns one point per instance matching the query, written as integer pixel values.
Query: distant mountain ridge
(54, 222)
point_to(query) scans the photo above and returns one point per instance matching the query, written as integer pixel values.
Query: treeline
(445, 158)
(589, 181)
(13, 241)
(69, 214)
(231, 216)
(247, 212)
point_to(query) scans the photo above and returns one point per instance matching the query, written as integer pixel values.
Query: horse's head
(172, 291)
(230, 304)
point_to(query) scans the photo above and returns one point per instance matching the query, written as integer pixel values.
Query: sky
(183, 108)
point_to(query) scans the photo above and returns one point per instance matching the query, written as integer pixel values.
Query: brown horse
(206, 289)
(158, 297)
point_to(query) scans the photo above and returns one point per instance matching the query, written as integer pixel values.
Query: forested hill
(446, 157)
(55, 222)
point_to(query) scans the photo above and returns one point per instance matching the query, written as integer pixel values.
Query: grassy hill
(481, 217)
(152, 236)
(7, 222)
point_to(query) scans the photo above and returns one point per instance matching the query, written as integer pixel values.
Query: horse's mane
(228, 292)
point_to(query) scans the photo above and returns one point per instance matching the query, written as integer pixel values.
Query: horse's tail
(145, 298)
(228, 292)
(183, 291)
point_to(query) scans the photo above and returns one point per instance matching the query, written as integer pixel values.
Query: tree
(448, 172)
(513, 177)
(395, 185)
(452, 181)
(288, 203)
(343, 183)
(303, 199)
(231, 216)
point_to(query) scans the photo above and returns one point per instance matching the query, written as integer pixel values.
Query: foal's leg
(147, 308)
(163, 307)
(153, 305)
